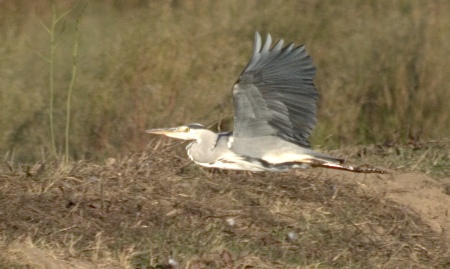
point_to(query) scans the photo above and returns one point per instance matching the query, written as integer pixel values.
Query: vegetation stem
(51, 79)
(72, 82)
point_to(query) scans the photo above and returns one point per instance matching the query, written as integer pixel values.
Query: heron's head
(191, 131)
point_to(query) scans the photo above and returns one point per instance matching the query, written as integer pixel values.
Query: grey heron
(274, 114)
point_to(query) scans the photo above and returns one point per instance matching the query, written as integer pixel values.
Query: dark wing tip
(278, 56)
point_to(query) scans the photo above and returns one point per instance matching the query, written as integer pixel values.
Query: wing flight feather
(275, 94)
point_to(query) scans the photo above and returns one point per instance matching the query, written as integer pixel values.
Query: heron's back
(275, 150)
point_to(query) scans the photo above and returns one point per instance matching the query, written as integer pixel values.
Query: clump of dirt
(158, 210)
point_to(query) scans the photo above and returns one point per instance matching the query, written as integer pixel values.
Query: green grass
(382, 69)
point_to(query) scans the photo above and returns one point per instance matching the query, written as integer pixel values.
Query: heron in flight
(274, 114)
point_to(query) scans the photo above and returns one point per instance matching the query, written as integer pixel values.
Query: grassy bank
(158, 210)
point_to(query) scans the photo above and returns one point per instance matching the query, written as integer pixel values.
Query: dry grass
(142, 210)
(382, 69)
(432, 157)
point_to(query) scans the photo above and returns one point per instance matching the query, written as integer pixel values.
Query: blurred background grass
(383, 69)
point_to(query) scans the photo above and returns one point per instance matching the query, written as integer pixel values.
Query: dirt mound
(160, 211)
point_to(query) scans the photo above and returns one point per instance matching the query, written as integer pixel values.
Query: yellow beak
(162, 131)
(170, 132)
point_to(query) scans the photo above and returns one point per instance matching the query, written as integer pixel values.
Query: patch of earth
(428, 197)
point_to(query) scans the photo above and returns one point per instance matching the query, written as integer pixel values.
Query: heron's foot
(367, 168)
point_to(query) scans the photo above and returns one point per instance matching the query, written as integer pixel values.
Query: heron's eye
(184, 129)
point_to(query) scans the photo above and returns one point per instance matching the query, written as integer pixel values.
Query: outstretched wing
(275, 94)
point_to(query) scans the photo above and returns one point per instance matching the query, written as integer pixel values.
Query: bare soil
(424, 195)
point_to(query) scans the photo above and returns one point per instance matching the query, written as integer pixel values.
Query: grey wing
(275, 94)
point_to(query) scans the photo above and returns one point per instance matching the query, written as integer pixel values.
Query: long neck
(203, 149)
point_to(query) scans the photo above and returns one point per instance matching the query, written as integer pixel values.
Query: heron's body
(274, 157)
(275, 112)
